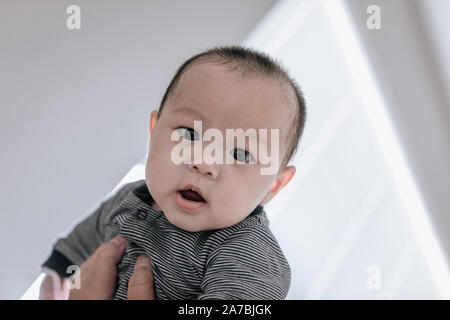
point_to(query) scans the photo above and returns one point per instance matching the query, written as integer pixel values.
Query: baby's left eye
(241, 155)
(189, 133)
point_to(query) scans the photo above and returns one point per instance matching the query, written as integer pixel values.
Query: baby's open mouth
(191, 195)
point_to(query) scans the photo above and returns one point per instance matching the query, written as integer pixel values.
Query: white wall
(411, 57)
(70, 100)
(433, 15)
(74, 106)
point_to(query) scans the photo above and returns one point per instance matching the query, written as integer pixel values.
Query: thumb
(112, 251)
(140, 286)
(104, 260)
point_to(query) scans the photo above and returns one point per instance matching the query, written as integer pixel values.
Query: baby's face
(222, 100)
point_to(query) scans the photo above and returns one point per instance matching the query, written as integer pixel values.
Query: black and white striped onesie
(243, 261)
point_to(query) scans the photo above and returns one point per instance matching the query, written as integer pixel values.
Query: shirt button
(142, 215)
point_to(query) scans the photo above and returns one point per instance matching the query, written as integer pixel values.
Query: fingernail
(143, 261)
(119, 240)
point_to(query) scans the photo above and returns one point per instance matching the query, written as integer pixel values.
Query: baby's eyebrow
(191, 111)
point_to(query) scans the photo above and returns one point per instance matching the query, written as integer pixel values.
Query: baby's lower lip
(186, 204)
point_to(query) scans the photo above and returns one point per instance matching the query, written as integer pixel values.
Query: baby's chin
(182, 220)
(192, 225)
(189, 226)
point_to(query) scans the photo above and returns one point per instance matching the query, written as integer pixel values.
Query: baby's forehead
(219, 94)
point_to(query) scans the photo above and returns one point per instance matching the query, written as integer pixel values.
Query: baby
(202, 223)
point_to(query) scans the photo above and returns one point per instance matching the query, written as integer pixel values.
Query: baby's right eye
(188, 133)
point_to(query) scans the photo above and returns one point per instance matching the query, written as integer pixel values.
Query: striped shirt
(243, 261)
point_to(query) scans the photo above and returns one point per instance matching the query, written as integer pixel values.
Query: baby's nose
(205, 168)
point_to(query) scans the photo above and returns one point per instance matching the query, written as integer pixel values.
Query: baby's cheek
(257, 187)
(240, 194)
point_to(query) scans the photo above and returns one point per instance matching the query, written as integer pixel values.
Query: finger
(100, 270)
(46, 291)
(140, 286)
(113, 250)
(52, 287)
(65, 291)
(59, 288)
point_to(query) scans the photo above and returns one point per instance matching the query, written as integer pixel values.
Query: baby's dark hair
(250, 61)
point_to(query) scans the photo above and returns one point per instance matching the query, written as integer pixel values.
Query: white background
(74, 108)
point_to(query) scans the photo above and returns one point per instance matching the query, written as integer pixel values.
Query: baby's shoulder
(255, 246)
(252, 233)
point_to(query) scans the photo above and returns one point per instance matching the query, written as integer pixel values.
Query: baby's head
(224, 88)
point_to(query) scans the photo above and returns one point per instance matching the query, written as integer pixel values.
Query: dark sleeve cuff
(59, 263)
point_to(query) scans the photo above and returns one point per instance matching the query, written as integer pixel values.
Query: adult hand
(140, 286)
(98, 273)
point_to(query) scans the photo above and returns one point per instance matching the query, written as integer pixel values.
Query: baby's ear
(283, 177)
(154, 117)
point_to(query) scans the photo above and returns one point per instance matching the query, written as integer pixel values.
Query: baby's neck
(156, 206)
